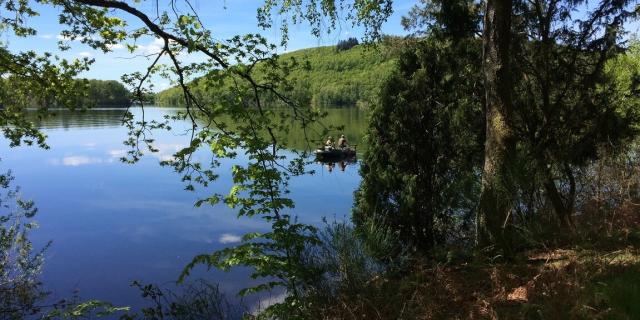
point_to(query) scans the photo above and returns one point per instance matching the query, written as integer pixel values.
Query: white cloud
(116, 46)
(85, 54)
(46, 36)
(229, 238)
(165, 157)
(65, 38)
(153, 47)
(117, 153)
(166, 151)
(74, 161)
(79, 160)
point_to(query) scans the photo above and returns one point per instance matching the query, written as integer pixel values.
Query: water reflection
(351, 122)
(112, 223)
(330, 166)
(95, 118)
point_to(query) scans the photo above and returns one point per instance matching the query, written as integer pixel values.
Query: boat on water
(329, 154)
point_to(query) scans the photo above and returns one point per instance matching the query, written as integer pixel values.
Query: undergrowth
(590, 278)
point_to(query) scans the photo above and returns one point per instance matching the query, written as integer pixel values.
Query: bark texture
(496, 200)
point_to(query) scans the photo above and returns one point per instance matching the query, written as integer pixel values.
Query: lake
(111, 223)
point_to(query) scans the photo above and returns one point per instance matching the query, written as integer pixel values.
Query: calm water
(112, 223)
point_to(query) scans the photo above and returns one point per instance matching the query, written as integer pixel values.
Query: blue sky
(225, 18)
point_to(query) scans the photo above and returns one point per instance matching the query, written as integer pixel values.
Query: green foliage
(617, 293)
(565, 85)
(323, 78)
(198, 300)
(421, 174)
(325, 14)
(85, 310)
(344, 261)
(420, 171)
(28, 80)
(343, 45)
(20, 264)
(449, 19)
(246, 77)
(278, 256)
(107, 93)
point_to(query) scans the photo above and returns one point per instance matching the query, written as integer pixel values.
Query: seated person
(342, 142)
(329, 144)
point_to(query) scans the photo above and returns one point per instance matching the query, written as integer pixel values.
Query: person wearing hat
(329, 144)
(342, 142)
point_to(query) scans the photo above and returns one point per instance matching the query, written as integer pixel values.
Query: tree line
(86, 93)
(107, 93)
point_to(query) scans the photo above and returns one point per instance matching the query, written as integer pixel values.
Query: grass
(622, 293)
(615, 293)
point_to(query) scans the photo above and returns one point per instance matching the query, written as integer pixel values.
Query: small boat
(334, 154)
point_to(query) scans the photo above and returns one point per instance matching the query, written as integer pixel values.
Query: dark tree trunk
(496, 199)
(563, 206)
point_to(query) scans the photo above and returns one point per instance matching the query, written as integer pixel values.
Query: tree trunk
(563, 206)
(497, 195)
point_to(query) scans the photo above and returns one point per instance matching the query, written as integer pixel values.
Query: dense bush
(420, 171)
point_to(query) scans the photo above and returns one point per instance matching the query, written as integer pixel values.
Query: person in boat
(342, 142)
(329, 144)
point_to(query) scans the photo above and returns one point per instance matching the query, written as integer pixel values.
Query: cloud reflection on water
(75, 161)
(229, 238)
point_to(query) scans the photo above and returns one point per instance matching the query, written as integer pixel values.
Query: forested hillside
(329, 77)
(107, 93)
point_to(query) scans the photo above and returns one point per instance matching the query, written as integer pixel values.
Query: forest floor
(593, 273)
(552, 284)
(558, 284)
